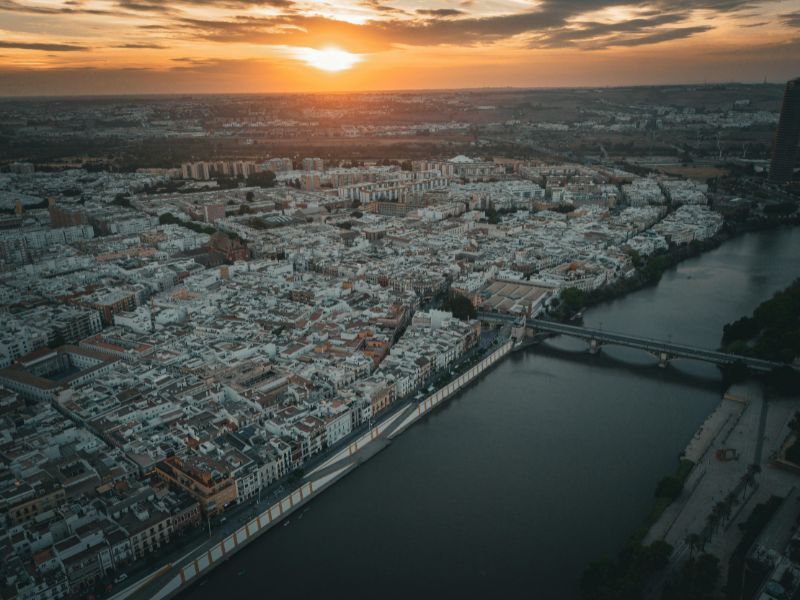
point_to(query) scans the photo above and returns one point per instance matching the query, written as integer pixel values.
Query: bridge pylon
(595, 345)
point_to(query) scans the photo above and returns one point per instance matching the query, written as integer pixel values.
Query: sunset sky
(227, 46)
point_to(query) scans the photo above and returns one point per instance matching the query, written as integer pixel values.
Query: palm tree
(717, 512)
(713, 521)
(693, 540)
(747, 479)
(727, 506)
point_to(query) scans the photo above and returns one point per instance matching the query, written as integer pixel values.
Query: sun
(329, 59)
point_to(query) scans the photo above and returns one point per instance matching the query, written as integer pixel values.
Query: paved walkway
(755, 434)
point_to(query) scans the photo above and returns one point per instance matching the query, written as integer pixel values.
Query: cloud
(143, 46)
(43, 46)
(380, 7)
(552, 24)
(791, 19)
(145, 6)
(548, 24)
(64, 9)
(440, 12)
(136, 6)
(654, 38)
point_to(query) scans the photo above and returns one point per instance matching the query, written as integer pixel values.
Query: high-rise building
(313, 164)
(784, 152)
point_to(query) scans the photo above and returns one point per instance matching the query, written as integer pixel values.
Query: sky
(67, 47)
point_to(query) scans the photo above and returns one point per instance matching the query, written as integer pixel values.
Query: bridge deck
(648, 344)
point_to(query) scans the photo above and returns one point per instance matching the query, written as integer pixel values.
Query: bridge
(663, 351)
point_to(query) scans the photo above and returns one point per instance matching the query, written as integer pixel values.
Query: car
(121, 578)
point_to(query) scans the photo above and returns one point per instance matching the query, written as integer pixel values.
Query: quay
(173, 578)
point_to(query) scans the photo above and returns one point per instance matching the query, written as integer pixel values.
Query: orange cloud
(399, 44)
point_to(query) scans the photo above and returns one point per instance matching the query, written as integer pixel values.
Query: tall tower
(784, 151)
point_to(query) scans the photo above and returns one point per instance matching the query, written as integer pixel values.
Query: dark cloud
(439, 12)
(652, 38)
(65, 9)
(791, 19)
(136, 6)
(143, 45)
(379, 6)
(634, 32)
(144, 6)
(46, 47)
(552, 24)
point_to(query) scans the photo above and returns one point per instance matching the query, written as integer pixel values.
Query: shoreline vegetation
(772, 332)
(627, 576)
(650, 269)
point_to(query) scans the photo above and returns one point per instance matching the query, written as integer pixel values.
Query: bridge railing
(651, 343)
(644, 343)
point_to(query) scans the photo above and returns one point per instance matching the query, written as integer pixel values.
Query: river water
(549, 461)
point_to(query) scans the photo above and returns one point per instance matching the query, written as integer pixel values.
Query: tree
(460, 306)
(669, 487)
(122, 200)
(573, 299)
(263, 179)
(636, 257)
(718, 513)
(794, 424)
(491, 215)
(693, 541)
(168, 219)
(598, 577)
(696, 580)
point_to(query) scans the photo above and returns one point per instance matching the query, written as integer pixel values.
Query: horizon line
(76, 96)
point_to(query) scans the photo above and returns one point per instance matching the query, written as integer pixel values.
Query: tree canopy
(264, 179)
(460, 306)
(773, 330)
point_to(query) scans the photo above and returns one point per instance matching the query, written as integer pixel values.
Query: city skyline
(78, 47)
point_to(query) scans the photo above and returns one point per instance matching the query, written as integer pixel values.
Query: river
(547, 462)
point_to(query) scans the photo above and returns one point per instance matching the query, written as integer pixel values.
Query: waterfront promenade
(745, 430)
(174, 577)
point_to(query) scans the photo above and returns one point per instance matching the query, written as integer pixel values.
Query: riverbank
(174, 578)
(651, 269)
(648, 273)
(733, 477)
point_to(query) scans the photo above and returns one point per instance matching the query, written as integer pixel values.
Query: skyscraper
(784, 152)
